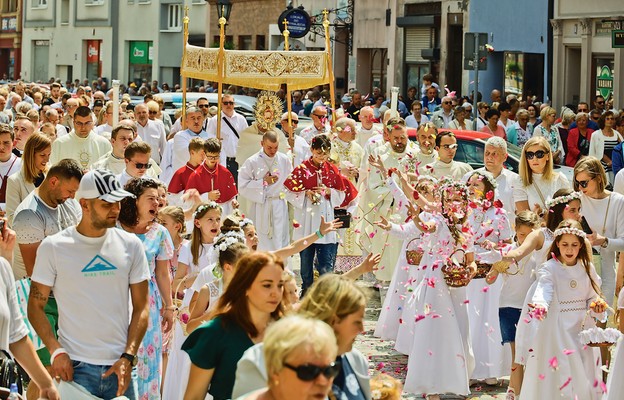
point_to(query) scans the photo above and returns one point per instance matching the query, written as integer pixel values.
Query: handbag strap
(604, 223)
(539, 192)
(231, 127)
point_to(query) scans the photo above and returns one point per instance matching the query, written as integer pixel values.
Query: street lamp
(224, 7)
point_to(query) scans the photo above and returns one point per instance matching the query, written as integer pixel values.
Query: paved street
(383, 358)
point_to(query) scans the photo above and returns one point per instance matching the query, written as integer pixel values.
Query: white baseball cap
(101, 184)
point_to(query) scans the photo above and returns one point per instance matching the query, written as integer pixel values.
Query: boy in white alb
(95, 272)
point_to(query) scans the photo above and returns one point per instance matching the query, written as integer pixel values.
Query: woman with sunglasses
(339, 302)
(604, 140)
(300, 355)
(538, 180)
(604, 212)
(547, 129)
(252, 300)
(481, 121)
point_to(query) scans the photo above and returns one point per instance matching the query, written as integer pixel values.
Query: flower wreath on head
(211, 205)
(245, 223)
(550, 203)
(448, 183)
(570, 231)
(487, 175)
(225, 240)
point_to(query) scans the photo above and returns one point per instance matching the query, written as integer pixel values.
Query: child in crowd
(180, 178)
(213, 181)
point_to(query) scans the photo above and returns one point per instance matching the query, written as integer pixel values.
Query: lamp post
(224, 8)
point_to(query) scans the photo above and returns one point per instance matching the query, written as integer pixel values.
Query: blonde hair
(332, 296)
(296, 333)
(385, 387)
(547, 110)
(593, 167)
(177, 214)
(526, 175)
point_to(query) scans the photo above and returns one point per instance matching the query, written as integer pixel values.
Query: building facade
(10, 39)
(585, 63)
(129, 40)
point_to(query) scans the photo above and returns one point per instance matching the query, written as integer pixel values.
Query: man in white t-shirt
(95, 271)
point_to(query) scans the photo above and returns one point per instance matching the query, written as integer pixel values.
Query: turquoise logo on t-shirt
(98, 266)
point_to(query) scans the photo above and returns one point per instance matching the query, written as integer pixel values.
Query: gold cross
(325, 13)
(285, 24)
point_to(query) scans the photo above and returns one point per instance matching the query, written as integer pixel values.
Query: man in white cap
(95, 271)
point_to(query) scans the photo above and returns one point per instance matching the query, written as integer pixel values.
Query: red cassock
(219, 179)
(307, 176)
(180, 178)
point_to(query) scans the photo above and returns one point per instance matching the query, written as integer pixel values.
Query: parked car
(471, 146)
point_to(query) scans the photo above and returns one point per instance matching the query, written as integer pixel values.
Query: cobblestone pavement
(382, 357)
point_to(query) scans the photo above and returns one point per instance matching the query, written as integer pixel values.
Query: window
(39, 3)
(260, 42)
(174, 17)
(65, 12)
(198, 2)
(244, 42)
(94, 2)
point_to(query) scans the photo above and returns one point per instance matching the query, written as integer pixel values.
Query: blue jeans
(89, 376)
(325, 261)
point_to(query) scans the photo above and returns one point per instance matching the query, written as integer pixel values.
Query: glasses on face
(153, 112)
(319, 116)
(600, 102)
(449, 146)
(293, 121)
(595, 117)
(206, 105)
(532, 154)
(447, 102)
(584, 183)
(142, 166)
(308, 372)
(583, 110)
(228, 103)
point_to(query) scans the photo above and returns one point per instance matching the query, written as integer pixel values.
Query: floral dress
(158, 246)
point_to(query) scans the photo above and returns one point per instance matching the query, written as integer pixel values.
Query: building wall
(10, 39)
(579, 40)
(66, 34)
(512, 26)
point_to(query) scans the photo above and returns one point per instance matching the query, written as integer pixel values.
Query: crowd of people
(154, 258)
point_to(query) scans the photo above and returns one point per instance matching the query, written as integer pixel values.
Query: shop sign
(140, 52)
(9, 24)
(298, 22)
(605, 27)
(617, 39)
(604, 81)
(93, 51)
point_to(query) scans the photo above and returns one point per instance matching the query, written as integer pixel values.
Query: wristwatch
(605, 243)
(133, 359)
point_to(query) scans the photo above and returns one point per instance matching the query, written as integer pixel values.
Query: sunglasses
(294, 121)
(308, 372)
(583, 110)
(539, 154)
(319, 116)
(584, 183)
(228, 103)
(447, 102)
(600, 102)
(206, 105)
(142, 166)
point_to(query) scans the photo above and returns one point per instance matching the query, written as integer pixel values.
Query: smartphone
(585, 226)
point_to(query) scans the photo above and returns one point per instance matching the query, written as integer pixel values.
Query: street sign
(298, 22)
(469, 50)
(604, 81)
(617, 39)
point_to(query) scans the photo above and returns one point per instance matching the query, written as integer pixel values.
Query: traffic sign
(469, 50)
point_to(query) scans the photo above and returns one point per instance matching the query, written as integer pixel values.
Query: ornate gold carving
(268, 110)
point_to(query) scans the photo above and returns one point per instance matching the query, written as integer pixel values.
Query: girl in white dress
(568, 290)
(230, 248)
(391, 319)
(441, 359)
(615, 383)
(516, 283)
(491, 231)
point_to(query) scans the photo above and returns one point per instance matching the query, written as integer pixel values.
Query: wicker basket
(456, 274)
(413, 256)
(482, 270)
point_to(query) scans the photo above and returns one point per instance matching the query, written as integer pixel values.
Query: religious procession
(231, 250)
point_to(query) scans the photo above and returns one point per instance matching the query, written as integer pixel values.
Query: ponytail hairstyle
(196, 240)
(557, 205)
(570, 226)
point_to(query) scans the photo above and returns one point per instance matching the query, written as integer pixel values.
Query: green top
(219, 345)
